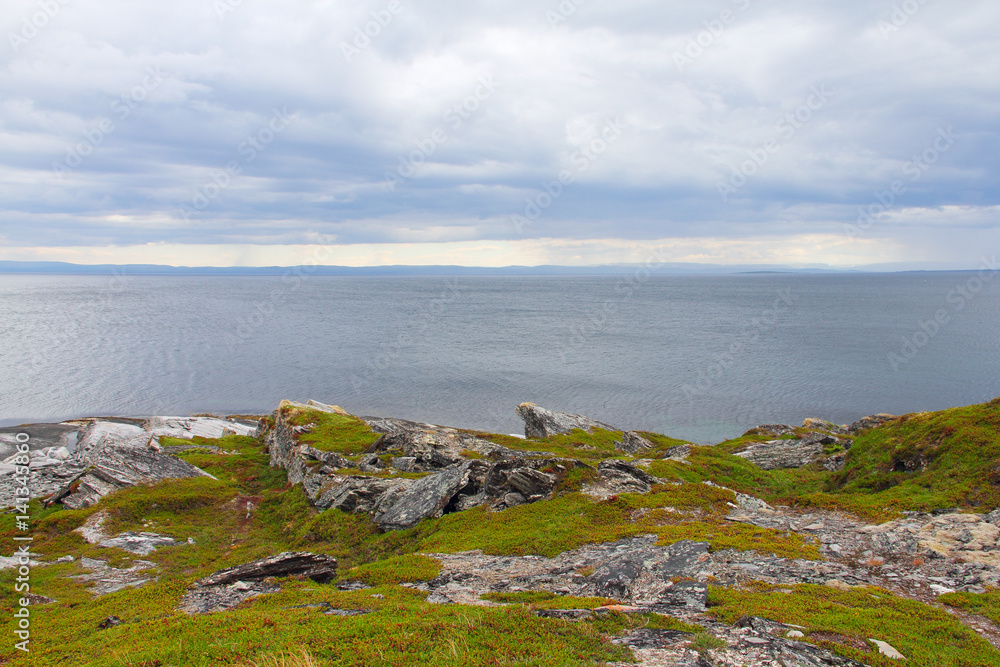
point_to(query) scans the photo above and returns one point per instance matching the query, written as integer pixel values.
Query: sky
(254, 132)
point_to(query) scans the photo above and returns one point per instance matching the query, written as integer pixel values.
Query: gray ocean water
(701, 358)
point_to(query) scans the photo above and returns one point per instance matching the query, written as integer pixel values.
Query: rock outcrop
(110, 463)
(227, 588)
(78, 462)
(633, 443)
(541, 423)
(456, 481)
(321, 569)
(871, 421)
(775, 454)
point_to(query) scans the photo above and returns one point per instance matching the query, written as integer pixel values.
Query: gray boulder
(621, 477)
(632, 442)
(430, 496)
(318, 567)
(871, 421)
(432, 447)
(775, 454)
(355, 493)
(541, 423)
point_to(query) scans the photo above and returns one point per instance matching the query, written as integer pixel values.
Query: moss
(401, 629)
(926, 636)
(579, 444)
(395, 570)
(344, 434)
(572, 520)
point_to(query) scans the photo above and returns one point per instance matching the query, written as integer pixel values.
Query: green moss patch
(926, 636)
(344, 434)
(395, 570)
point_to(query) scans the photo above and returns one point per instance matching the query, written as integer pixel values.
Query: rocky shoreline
(412, 472)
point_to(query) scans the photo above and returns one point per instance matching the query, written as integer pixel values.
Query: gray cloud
(702, 89)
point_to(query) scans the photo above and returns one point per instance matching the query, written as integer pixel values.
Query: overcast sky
(256, 132)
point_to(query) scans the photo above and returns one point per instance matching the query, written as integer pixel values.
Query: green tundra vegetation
(922, 461)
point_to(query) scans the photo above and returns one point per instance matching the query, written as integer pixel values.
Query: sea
(702, 357)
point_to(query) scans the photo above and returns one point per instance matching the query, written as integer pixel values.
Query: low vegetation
(844, 621)
(923, 461)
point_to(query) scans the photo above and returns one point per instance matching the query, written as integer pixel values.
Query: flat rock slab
(634, 570)
(318, 567)
(223, 597)
(650, 638)
(106, 579)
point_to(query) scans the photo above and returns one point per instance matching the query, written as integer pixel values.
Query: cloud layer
(848, 132)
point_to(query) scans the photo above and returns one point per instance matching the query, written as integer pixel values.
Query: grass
(843, 621)
(401, 629)
(960, 446)
(251, 511)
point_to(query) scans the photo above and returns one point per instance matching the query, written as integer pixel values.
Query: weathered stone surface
(651, 638)
(318, 567)
(435, 447)
(678, 453)
(106, 579)
(632, 443)
(353, 493)
(430, 496)
(541, 423)
(110, 622)
(116, 467)
(775, 454)
(222, 598)
(887, 650)
(816, 424)
(139, 543)
(190, 427)
(626, 476)
(871, 421)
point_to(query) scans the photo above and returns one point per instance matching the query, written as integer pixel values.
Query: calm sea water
(701, 358)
